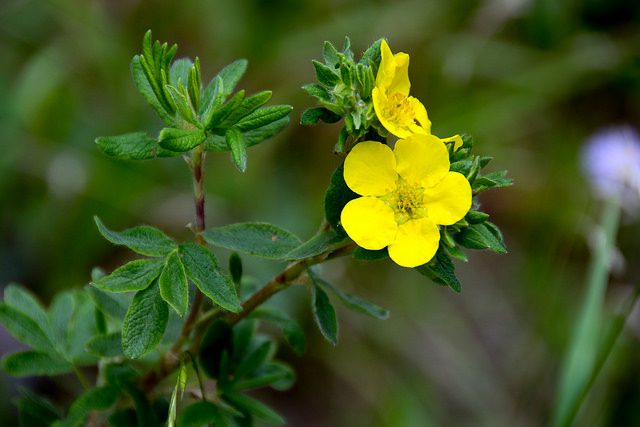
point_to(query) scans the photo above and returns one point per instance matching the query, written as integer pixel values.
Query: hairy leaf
(133, 276)
(202, 268)
(324, 314)
(132, 146)
(181, 140)
(173, 284)
(144, 323)
(318, 244)
(34, 363)
(255, 238)
(145, 240)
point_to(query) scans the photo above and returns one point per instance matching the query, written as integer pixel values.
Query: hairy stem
(282, 281)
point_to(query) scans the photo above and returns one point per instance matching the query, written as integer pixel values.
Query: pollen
(399, 110)
(407, 201)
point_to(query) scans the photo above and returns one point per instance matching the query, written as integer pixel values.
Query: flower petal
(456, 139)
(370, 169)
(387, 67)
(449, 200)
(400, 82)
(393, 72)
(421, 159)
(420, 116)
(369, 222)
(416, 242)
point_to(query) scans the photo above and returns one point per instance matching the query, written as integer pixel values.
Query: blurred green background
(529, 79)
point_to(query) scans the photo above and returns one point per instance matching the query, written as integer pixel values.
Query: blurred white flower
(611, 161)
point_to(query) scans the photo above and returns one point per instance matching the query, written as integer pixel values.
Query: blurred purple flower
(611, 161)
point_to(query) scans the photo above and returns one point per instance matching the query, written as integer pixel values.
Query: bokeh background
(531, 80)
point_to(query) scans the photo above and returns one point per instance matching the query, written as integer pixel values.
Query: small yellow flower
(405, 193)
(399, 113)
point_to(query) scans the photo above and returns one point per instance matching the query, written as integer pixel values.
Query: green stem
(581, 360)
(607, 347)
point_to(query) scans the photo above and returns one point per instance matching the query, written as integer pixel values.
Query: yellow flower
(405, 193)
(399, 113)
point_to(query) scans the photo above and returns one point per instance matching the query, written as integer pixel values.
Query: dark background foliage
(529, 79)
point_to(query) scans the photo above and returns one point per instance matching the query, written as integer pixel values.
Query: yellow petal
(400, 82)
(449, 200)
(369, 222)
(456, 139)
(421, 159)
(420, 115)
(387, 67)
(370, 169)
(416, 243)
(393, 72)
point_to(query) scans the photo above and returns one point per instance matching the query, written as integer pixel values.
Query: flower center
(407, 201)
(399, 109)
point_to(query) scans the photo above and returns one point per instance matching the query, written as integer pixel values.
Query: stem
(277, 284)
(581, 358)
(607, 347)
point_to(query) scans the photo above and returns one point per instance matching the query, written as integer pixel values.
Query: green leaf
(216, 118)
(353, 302)
(324, 314)
(201, 413)
(494, 179)
(254, 238)
(144, 323)
(109, 345)
(145, 88)
(202, 268)
(476, 217)
(133, 276)
(316, 91)
(293, 333)
(217, 340)
(251, 138)
(337, 196)
(113, 305)
(372, 56)
(263, 116)
(212, 99)
(254, 407)
(60, 314)
(132, 146)
(180, 71)
(97, 399)
(144, 239)
(312, 115)
(181, 140)
(21, 299)
(330, 54)
(81, 328)
(173, 284)
(36, 411)
(24, 328)
(231, 75)
(321, 242)
(34, 363)
(235, 268)
(277, 375)
(180, 99)
(479, 236)
(369, 255)
(247, 106)
(441, 270)
(325, 75)
(255, 359)
(124, 418)
(181, 383)
(235, 141)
